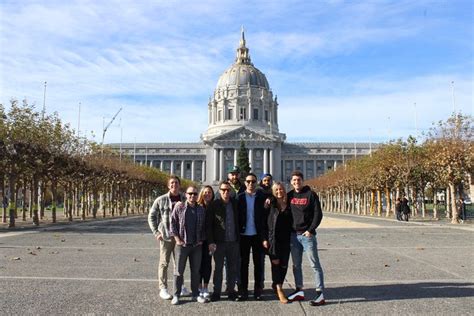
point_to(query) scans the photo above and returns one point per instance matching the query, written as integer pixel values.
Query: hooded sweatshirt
(306, 210)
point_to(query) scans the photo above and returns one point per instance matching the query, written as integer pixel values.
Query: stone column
(203, 172)
(304, 168)
(192, 170)
(265, 160)
(216, 164)
(182, 169)
(161, 165)
(325, 166)
(172, 167)
(271, 162)
(251, 159)
(236, 153)
(221, 164)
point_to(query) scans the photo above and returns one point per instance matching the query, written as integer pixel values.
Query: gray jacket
(159, 216)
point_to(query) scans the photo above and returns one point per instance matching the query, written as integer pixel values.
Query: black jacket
(259, 212)
(306, 210)
(215, 221)
(277, 228)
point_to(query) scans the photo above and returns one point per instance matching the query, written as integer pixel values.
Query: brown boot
(281, 296)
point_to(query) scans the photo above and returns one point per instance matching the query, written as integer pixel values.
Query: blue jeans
(300, 244)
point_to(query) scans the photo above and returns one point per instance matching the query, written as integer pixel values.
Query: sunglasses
(250, 181)
(225, 190)
(192, 193)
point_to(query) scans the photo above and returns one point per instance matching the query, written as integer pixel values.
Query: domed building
(243, 108)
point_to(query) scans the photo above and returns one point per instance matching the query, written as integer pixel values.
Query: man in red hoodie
(307, 215)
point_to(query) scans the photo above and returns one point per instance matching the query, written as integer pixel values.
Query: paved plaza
(372, 266)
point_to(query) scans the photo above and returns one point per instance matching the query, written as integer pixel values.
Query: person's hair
(251, 175)
(175, 178)
(226, 182)
(275, 186)
(191, 186)
(200, 200)
(297, 173)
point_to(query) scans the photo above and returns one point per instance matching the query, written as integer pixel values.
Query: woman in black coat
(276, 236)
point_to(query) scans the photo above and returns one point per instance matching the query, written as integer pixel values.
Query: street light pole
(454, 99)
(44, 101)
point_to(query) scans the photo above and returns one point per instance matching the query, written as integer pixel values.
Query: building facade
(243, 107)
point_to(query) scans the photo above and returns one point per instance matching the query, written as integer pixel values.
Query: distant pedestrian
(398, 208)
(461, 208)
(405, 208)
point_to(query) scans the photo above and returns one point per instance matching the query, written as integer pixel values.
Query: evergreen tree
(243, 160)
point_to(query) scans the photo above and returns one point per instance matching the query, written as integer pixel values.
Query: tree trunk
(388, 201)
(4, 204)
(455, 219)
(448, 202)
(11, 199)
(379, 202)
(54, 192)
(23, 208)
(435, 204)
(35, 200)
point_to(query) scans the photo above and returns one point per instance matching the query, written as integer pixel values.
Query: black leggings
(206, 265)
(279, 270)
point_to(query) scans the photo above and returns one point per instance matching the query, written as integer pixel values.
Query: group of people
(240, 219)
(402, 209)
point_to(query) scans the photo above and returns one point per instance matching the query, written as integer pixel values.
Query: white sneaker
(165, 295)
(205, 293)
(200, 299)
(318, 300)
(184, 291)
(175, 300)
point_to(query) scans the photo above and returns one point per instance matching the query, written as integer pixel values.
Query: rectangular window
(230, 114)
(255, 114)
(266, 115)
(219, 115)
(243, 113)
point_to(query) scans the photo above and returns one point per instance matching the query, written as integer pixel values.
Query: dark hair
(226, 182)
(252, 175)
(175, 178)
(297, 173)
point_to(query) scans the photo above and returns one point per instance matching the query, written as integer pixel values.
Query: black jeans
(279, 270)
(230, 251)
(248, 243)
(206, 264)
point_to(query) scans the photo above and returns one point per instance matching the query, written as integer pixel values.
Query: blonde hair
(201, 200)
(274, 188)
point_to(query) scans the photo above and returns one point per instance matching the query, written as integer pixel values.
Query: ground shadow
(394, 292)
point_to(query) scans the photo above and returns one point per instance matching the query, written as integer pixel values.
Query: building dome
(242, 75)
(242, 72)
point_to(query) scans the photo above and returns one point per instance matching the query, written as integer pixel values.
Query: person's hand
(307, 234)
(159, 237)
(212, 248)
(267, 203)
(179, 242)
(266, 244)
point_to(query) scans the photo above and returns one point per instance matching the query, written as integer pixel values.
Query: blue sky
(342, 70)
